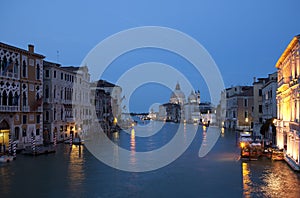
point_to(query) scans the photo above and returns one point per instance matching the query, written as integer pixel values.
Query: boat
(75, 141)
(39, 150)
(277, 155)
(6, 158)
(249, 149)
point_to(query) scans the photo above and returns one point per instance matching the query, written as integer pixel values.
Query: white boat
(6, 158)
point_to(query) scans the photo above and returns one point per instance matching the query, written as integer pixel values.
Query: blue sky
(245, 38)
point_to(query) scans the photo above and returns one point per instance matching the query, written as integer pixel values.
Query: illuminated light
(115, 120)
(204, 128)
(246, 120)
(222, 130)
(242, 144)
(132, 133)
(116, 135)
(274, 121)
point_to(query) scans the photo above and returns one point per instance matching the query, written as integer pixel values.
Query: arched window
(38, 72)
(10, 98)
(54, 114)
(24, 99)
(10, 65)
(16, 99)
(4, 98)
(24, 69)
(54, 92)
(17, 133)
(16, 67)
(47, 116)
(4, 63)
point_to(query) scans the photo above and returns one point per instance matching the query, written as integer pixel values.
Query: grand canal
(77, 173)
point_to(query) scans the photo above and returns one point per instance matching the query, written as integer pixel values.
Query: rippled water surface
(76, 173)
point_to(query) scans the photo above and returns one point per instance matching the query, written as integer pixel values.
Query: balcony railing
(70, 119)
(26, 108)
(40, 109)
(294, 126)
(4, 108)
(10, 75)
(284, 80)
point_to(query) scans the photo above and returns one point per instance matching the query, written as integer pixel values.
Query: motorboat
(6, 158)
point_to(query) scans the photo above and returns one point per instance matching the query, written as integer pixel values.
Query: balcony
(26, 108)
(9, 75)
(70, 119)
(294, 82)
(284, 82)
(9, 108)
(294, 126)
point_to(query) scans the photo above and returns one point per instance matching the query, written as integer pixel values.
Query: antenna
(57, 56)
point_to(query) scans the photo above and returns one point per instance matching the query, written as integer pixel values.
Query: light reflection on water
(132, 147)
(266, 178)
(77, 173)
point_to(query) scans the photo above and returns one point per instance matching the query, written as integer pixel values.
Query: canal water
(77, 173)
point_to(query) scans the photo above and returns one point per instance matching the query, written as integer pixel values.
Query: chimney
(31, 48)
(254, 79)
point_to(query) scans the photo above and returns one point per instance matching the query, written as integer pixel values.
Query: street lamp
(247, 120)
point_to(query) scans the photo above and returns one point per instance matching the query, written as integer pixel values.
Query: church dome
(177, 96)
(192, 98)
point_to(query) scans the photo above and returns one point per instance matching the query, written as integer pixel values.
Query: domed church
(177, 96)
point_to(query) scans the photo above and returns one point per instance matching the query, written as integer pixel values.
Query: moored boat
(6, 158)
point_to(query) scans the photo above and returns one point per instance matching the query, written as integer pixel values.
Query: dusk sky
(245, 38)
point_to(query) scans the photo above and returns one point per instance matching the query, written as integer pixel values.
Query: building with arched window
(20, 84)
(288, 102)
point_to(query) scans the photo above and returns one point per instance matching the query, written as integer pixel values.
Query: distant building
(115, 92)
(258, 105)
(102, 101)
(269, 97)
(67, 108)
(172, 112)
(21, 92)
(269, 108)
(239, 104)
(288, 102)
(191, 108)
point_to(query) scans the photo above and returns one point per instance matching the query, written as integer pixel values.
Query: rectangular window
(54, 74)
(24, 119)
(246, 102)
(38, 119)
(47, 73)
(47, 116)
(260, 92)
(61, 76)
(260, 108)
(246, 114)
(24, 133)
(37, 132)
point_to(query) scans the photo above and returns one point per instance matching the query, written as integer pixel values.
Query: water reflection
(246, 179)
(76, 173)
(5, 178)
(132, 147)
(268, 178)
